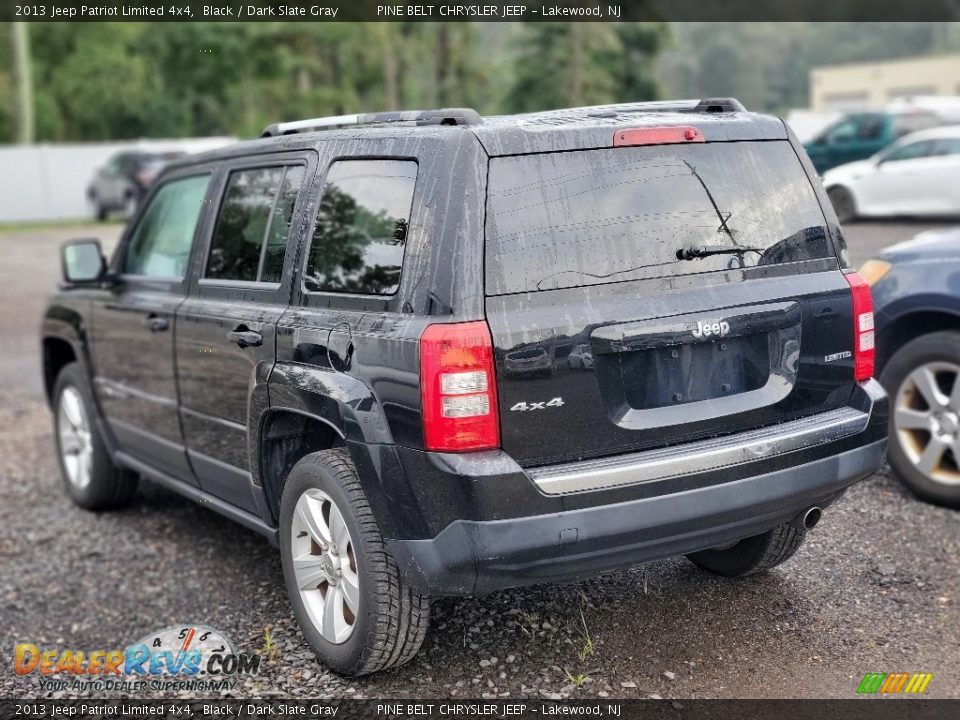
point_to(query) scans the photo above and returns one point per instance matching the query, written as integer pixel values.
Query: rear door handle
(245, 338)
(156, 323)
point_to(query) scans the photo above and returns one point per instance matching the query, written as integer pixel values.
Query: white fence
(49, 181)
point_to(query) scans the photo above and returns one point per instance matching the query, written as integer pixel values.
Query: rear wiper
(694, 252)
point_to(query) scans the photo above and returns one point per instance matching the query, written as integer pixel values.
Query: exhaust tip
(811, 517)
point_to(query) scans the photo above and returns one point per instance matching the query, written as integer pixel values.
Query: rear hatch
(604, 250)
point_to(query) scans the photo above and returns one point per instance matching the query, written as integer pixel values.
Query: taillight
(657, 136)
(863, 336)
(458, 390)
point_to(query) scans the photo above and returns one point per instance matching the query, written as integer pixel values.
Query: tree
(102, 80)
(633, 62)
(557, 66)
(23, 79)
(570, 64)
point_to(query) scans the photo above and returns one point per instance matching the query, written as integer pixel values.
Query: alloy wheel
(73, 431)
(324, 566)
(926, 418)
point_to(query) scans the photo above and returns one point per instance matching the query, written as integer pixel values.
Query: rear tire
(910, 438)
(99, 211)
(844, 204)
(92, 480)
(348, 596)
(752, 555)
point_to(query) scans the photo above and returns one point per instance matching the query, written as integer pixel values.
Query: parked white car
(917, 175)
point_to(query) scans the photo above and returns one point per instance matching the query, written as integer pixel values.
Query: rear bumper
(473, 555)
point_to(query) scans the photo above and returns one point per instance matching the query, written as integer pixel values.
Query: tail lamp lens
(457, 388)
(863, 332)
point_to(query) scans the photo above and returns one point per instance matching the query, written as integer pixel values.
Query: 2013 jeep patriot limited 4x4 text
(352, 335)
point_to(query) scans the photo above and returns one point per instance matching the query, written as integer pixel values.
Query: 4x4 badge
(524, 406)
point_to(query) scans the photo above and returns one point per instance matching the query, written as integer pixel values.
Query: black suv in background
(353, 336)
(123, 181)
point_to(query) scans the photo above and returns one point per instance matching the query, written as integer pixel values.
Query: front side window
(842, 132)
(160, 244)
(250, 238)
(361, 229)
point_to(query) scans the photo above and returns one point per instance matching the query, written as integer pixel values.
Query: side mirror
(83, 262)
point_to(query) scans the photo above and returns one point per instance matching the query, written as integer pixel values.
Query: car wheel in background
(97, 210)
(92, 480)
(843, 203)
(923, 381)
(131, 203)
(348, 596)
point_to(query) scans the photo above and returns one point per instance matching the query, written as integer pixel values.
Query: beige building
(841, 88)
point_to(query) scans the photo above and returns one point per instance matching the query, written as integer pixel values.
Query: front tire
(923, 381)
(92, 480)
(752, 555)
(844, 204)
(348, 596)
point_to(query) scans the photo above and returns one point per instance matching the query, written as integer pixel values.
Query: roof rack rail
(718, 105)
(706, 105)
(443, 116)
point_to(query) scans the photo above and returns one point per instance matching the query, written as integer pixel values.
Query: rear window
(600, 216)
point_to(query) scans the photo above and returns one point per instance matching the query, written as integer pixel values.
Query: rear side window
(161, 241)
(250, 238)
(947, 146)
(361, 229)
(600, 216)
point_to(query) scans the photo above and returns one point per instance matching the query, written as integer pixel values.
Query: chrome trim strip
(699, 456)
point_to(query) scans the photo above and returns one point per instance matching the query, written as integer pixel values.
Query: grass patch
(269, 648)
(10, 227)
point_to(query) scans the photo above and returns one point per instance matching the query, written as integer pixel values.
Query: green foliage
(568, 64)
(6, 83)
(100, 81)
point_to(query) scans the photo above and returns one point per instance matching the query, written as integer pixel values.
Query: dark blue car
(916, 295)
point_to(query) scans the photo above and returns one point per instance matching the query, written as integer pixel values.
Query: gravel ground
(875, 588)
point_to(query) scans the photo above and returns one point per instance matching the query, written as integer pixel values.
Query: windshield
(598, 216)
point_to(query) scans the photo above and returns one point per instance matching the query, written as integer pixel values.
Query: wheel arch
(909, 326)
(309, 410)
(284, 437)
(62, 342)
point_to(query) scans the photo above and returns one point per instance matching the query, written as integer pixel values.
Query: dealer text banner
(515, 11)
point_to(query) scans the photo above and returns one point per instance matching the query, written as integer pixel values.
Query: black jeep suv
(352, 335)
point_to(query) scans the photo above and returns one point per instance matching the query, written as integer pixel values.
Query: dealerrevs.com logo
(182, 657)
